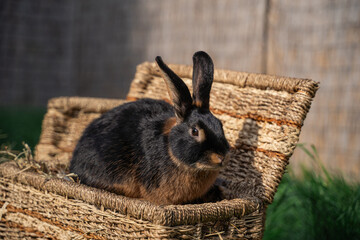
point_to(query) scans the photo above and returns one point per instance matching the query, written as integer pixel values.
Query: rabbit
(152, 150)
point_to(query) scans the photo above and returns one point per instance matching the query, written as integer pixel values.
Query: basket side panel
(29, 212)
(63, 124)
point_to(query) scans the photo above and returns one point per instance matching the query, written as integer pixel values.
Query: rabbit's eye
(198, 134)
(195, 132)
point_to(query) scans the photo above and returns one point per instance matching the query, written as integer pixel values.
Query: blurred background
(91, 48)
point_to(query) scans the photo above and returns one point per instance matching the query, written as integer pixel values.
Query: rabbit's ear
(178, 91)
(203, 75)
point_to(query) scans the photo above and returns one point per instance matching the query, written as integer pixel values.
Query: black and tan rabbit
(149, 149)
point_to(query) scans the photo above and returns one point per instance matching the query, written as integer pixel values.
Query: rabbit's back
(110, 152)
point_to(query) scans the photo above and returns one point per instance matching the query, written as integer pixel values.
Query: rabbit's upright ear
(203, 75)
(178, 91)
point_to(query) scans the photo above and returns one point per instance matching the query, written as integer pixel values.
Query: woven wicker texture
(262, 117)
(63, 125)
(59, 209)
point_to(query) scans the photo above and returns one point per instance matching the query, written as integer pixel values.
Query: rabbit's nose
(217, 159)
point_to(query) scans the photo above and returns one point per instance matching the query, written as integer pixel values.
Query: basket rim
(238, 78)
(90, 104)
(166, 215)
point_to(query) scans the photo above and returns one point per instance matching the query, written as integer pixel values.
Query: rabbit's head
(196, 136)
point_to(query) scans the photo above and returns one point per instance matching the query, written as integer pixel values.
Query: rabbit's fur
(149, 149)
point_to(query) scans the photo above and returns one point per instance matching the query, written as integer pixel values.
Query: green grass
(20, 124)
(316, 205)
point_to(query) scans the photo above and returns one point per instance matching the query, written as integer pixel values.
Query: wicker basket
(262, 117)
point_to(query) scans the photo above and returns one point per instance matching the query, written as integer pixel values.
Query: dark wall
(36, 51)
(91, 48)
